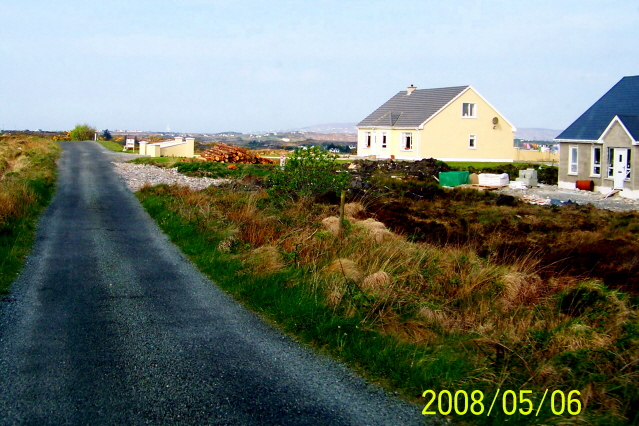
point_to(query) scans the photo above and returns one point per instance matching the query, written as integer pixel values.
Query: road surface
(110, 324)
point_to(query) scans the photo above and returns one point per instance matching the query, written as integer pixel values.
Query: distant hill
(536, 134)
(332, 128)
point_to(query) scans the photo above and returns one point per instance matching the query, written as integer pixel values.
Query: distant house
(602, 145)
(450, 124)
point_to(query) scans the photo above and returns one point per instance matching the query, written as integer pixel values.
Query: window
(369, 137)
(573, 160)
(407, 141)
(471, 142)
(469, 110)
(628, 164)
(611, 162)
(384, 140)
(596, 161)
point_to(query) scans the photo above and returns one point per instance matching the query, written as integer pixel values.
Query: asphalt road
(110, 324)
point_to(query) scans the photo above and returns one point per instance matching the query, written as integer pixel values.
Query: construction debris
(534, 199)
(223, 153)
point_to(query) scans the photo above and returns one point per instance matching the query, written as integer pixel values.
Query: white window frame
(594, 165)
(406, 135)
(469, 111)
(368, 139)
(611, 165)
(472, 142)
(384, 139)
(573, 161)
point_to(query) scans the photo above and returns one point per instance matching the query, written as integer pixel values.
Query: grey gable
(404, 110)
(621, 100)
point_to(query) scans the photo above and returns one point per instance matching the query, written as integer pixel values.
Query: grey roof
(621, 100)
(404, 110)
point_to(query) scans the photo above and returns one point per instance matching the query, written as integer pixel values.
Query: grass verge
(414, 316)
(114, 146)
(27, 182)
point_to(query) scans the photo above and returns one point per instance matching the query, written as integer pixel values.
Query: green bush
(82, 132)
(308, 172)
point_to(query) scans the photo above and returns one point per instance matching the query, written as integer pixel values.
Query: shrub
(308, 172)
(82, 132)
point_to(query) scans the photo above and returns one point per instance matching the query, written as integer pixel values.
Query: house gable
(618, 129)
(474, 92)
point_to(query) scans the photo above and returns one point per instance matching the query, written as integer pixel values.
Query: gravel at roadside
(137, 175)
(552, 192)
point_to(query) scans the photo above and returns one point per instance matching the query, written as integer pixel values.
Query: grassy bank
(116, 147)
(414, 315)
(27, 182)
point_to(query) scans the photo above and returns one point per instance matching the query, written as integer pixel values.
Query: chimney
(410, 89)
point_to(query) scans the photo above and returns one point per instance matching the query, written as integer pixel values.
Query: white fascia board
(577, 141)
(612, 123)
(374, 127)
(421, 126)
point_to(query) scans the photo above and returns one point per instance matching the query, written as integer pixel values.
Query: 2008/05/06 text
(460, 403)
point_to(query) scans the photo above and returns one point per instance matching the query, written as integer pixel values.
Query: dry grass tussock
(264, 260)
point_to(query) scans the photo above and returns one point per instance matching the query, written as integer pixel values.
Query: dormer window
(469, 110)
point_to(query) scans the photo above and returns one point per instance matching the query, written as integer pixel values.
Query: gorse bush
(308, 172)
(82, 132)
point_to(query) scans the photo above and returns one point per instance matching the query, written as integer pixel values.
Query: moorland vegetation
(429, 288)
(27, 182)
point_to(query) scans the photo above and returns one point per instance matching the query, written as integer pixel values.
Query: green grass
(156, 161)
(114, 146)
(221, 170)
(24, 192)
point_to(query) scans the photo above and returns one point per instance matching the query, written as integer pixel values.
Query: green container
(454, 178)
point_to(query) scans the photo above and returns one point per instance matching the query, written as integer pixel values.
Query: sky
(206, 66)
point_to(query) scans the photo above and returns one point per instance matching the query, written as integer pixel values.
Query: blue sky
(221, 65)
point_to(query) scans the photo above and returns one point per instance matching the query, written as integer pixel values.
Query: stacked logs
(223, 153)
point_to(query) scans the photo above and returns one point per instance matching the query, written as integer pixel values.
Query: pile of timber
(223, 153)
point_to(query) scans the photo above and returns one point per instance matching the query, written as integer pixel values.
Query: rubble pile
(223, 153)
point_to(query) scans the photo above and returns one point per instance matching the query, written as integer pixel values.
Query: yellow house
(449, 123)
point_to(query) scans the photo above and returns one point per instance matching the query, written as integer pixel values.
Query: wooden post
(341, 213)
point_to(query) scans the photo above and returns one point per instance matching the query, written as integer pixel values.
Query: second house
(449, 123)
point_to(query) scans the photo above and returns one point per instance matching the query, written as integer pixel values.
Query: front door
(620, 167)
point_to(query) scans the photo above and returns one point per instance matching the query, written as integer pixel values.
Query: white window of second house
(469, 110)
(596, 161)
(472, 144)
(573, 160)
(369, 137)
(407, 141)
(384, 140)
